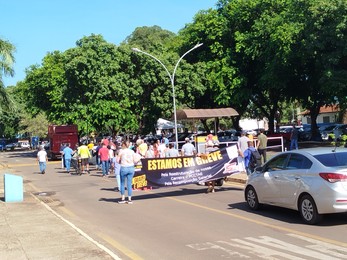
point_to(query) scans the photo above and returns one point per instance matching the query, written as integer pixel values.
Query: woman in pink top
(127, 161)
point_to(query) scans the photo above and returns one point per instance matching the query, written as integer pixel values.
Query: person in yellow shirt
(84, 153)
(142, 147)
(90, 145)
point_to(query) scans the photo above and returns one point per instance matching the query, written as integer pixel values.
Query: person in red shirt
(104, 159)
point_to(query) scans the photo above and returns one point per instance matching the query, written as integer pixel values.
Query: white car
(312, 181)
(25, 145)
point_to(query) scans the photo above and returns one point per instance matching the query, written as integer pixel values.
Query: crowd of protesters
(118, 157)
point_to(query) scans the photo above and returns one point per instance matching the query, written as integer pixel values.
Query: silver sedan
(312, 181)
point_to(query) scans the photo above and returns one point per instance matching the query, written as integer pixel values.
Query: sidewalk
(31, 230)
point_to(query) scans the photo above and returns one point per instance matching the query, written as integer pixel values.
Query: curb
(237, 180)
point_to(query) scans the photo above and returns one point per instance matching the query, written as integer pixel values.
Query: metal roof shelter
(205, 113)
(198, 114)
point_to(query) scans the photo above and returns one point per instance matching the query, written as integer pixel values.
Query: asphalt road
(179, 223)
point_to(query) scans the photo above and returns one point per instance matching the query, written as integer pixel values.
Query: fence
(255, 141)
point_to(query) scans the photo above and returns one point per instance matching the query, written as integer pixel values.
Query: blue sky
(36, 27)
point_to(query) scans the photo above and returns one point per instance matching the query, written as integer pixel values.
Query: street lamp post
(172, 79)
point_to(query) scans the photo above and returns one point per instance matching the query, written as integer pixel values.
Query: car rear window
(332, 159)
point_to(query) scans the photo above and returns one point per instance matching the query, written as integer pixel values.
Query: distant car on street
(285, 134)
(10, 146)
(340, 130)
(230, 135)
(326, 131)
(312, 181)
(24, 145)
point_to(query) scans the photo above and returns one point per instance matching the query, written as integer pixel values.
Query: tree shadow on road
(288, 215)
(151, 194)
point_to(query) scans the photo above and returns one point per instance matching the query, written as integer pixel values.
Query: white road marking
(271, 248)
(337, 251)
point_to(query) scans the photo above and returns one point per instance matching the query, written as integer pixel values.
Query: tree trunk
(204, 122)
(271, 122)
(314, 112)
(236, 122)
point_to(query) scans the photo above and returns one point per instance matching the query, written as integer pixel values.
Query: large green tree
(156, 95)
(96, 86)
(318, 60)
(266, 52)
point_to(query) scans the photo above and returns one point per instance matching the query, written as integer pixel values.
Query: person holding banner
(116, 167)
(127, 160)
(210, 146)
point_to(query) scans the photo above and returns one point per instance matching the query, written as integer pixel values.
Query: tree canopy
(268, 52)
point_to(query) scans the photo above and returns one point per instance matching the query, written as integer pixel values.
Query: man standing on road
(67, 152)
(242, 144)
(84, 153)
(188, 149)
(250, 164)
(262, 144)
(294, 138)
(42, 159)
(104, 159)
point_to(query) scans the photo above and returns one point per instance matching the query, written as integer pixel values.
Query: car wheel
(252, 198)
(308, 210)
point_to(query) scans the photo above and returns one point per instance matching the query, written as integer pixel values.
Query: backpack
(255, 160)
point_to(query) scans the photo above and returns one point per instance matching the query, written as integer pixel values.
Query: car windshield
(333, 159)
(329, 128)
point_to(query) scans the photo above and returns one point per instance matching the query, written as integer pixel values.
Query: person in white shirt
(42, 159)
(188, 149)
(243, 142)
(162, 148)
(127, 160)
(243, 146)
(172, 151)
(110, 159)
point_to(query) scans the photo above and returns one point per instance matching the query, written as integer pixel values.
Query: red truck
(61, 134)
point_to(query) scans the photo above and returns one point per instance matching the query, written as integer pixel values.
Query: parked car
(10, 146)
(339, 130)
(305, 133)
(276, 141)
(231, 135)
(24, 145)
(312, 181)
(286, 129)
(327, 130)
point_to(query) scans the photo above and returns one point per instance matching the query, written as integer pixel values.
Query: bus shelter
(198, 114)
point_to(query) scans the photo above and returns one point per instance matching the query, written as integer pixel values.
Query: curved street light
(172, 79)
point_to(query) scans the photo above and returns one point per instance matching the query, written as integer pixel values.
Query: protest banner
(176, 171)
